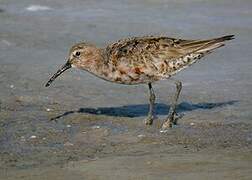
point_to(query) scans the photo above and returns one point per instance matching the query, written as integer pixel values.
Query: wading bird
(141, 60)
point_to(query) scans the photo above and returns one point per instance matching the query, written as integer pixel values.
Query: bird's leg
(171, 118)
(149, 119)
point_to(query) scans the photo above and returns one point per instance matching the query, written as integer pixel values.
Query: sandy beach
(85, 128)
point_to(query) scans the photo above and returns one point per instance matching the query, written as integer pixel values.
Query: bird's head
(82, 56)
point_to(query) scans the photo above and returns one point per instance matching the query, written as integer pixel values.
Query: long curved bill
(59, 72)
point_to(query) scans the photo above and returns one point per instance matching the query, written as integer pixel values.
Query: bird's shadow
(142, 109)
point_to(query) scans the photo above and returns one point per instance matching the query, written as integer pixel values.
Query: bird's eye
(77, 53)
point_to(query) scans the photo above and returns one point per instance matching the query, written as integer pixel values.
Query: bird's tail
(209, 45)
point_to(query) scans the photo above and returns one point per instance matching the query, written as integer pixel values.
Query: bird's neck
(99, 65)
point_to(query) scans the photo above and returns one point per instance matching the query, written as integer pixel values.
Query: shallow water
(84, 127)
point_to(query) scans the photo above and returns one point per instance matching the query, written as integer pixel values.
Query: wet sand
(84, 128)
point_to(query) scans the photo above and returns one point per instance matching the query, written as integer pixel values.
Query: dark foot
(167, 124)
(149, 120)
(170, 121)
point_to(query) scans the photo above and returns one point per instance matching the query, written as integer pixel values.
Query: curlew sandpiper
(141, 60)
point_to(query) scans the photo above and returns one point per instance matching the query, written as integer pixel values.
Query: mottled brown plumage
(140, 60)
(148, 59)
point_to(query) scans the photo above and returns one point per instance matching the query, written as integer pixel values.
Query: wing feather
(159, 48)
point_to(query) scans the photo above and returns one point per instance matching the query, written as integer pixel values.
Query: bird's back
(148, 59)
